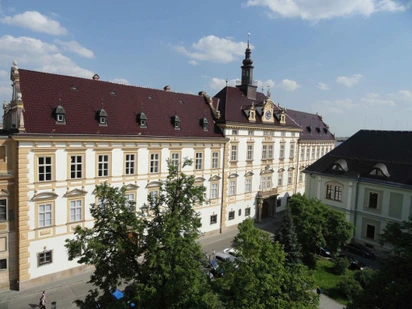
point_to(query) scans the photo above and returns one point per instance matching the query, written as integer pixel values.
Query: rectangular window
(234, 132)
(263, 183)
(44, 258)
(250, 132)
(76, 167)
(268, 182)
(280, 179)
(302, 154)
(75, 210)
(318, 153)
(282, 151)
(307, 153)
(3, 210)
(292, 151)
(264, 152)
(249, 152)
(300, 177)
(3, 264)
(103, 165)
(130, 201)
(279, 202)
(231, 215)
(290, 178)
(373, 200)
(233, 155)
(270, 152)
(370, 231)
(334, 193)
(45, 215)
(199, 161)
(45, 168)
(215, 160)
(248, 185)
(247, 211)
(154, 163)
(130, 164)
(175, 160)
(213, 219)
(313, 154)
(239, 213)
(213, 191)
(232, 187)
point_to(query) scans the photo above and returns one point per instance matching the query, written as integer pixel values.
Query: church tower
(247, 74)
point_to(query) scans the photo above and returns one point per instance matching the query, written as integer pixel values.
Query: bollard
(53, 305)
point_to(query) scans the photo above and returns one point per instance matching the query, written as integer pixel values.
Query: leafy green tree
(260, 279)
(349, 288)
(111, 245)
(287, 237)
(317, 226)
(172, 274)
(340, 265)
(391, 285)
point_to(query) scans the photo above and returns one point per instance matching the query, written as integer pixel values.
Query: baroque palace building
(64, 135)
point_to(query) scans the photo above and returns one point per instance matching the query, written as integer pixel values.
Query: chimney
(96, 77)
(166, 88)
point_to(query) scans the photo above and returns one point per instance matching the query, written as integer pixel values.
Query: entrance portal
(265, 209)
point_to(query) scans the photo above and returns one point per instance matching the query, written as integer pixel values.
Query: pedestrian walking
(318, 290)
(42, 303)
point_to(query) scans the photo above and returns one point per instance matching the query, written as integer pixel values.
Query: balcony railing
(268, 193)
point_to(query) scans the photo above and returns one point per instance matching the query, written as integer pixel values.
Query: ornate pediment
(199, 179)
(131, 186)
(249, 173)
(154, 184)
(75, 192)
(233, 175)
(44, 196)
(215, 177)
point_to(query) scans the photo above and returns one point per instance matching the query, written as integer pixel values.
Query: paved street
(65, 291)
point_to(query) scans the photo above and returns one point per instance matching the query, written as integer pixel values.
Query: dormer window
(142, 119)
(282, 119)
(380, 169)
(60, 115)
(102, 117)
(205, 124)
(309, 128)
(176, 122)
(340, 166)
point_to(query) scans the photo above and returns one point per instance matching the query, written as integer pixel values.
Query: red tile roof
(312, 125)
(82, 98)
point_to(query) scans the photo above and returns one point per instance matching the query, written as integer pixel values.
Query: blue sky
(348, 60)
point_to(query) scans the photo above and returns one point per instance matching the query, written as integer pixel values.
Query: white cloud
(120, 81)
(34, 53)
(289, 85)
(36, 22)
(349, 81)
(404, 95)
(74, 47)
(325, 9)
(267, 84)
(322, 86)
(214, 49)
(193, 62)
(219, 83)
(373, 99)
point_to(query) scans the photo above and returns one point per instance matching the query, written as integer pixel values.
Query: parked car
(231, 251)
(360, 250)
(221, 256)
(354, 264)
(324, 252)
(215, 269)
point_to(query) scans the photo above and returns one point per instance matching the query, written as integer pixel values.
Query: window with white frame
(248, 185)
(302, 154)
(76, 167)
(130, 200)
(300, 177)
(233, 154)
(270, 152)
(373, 200)
(215, 159)
(103, 165)
(199, 161)
(313, 153)
(247, 211)
(3, 209)
(264, 152)
(292, 151)
(45, 168)
(75, 210)
(44, 258)
(262, 183)
(232, 187)
(250, 132)
(334, 192)
(231, 215)
(175, 159)
(214, 191)
(213, 219)
(268, 182)
(130, 164)
(282, 151)
(307, 153)
(249, 156)
(45, 215)
(290, 177)
(154, 163)
(235, 132)
(318, 153)
(280, 179)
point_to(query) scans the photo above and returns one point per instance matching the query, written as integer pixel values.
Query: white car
(232, 251)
